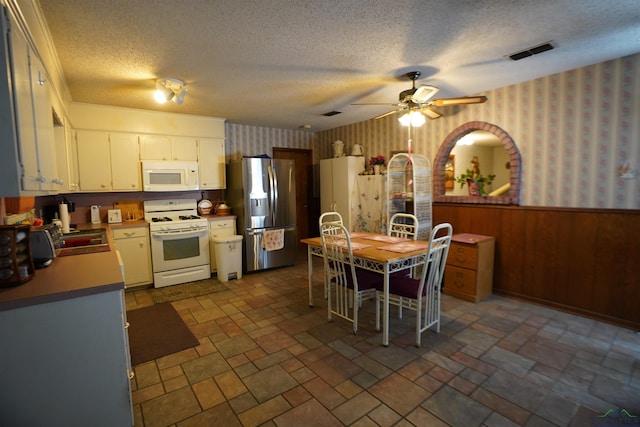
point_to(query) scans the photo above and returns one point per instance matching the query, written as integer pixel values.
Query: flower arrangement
(479, 180)
(378, 160)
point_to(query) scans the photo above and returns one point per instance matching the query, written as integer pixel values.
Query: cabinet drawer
(127, 233)
(460, 280)
(463, 255)
(225, 223)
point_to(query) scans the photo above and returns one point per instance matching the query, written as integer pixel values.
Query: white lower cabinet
(134, 247)
(66, 363)
(219, 228)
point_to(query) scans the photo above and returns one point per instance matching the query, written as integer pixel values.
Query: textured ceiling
(283, 63)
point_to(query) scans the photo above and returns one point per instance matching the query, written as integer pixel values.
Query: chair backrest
(439, 242)
(403, 225)
(331, 218)
(336, 246)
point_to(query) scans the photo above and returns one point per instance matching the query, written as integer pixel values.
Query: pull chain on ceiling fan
(417, 101)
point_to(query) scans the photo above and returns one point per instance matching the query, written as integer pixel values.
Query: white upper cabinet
(66, 157)
(94, 160)
(211, 163)
(125, 166)
(108, 161)
(162, 147)
(29, 160)
(184, 148)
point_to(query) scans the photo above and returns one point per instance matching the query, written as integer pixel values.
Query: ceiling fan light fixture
(170, 89)
(412, 118)
(423, 93)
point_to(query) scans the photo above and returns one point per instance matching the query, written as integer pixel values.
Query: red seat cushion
(366, 280)
(404, 286)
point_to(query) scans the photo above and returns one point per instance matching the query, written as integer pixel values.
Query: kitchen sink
(87, 241)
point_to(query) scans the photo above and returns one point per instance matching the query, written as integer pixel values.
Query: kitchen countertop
(68, 277)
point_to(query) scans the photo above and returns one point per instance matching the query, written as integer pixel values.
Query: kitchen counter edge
(68, 277)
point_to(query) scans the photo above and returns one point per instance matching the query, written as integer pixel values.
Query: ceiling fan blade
(430, 112)
(388, 114)
(445, 102)
(395, 104)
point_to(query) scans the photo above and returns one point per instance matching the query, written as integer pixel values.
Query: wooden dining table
(378, 253)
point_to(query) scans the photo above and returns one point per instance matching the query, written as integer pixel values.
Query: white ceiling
(283, 63)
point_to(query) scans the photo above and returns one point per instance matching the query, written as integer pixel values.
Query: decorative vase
(473, 188)
(376, 169)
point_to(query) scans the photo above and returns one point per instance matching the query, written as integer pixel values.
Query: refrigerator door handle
(272, 194)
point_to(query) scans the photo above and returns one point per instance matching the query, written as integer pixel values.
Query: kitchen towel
(273, 240)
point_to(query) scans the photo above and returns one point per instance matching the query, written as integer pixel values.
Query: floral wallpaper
(244, 140)
(578, 133)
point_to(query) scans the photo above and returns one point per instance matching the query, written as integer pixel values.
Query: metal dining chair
(406, 226)
(347, 285)
(403, 225)
(422, 295)
(330, 217)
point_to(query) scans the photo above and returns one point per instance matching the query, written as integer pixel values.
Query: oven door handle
(179, 232)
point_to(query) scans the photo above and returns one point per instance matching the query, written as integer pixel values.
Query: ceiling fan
(419, 99)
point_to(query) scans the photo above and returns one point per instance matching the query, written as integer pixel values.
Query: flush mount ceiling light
(170, 89)
(412, 118)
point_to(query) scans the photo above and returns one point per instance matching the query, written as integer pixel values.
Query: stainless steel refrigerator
(262, 193)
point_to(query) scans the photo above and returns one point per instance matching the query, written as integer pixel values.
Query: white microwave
(169, 176)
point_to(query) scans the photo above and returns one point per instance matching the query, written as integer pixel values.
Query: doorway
(304, 186)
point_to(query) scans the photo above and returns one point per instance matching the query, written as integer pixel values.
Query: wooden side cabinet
(469, 271)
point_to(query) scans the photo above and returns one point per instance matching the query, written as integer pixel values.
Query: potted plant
(476, 182)
(377, 162)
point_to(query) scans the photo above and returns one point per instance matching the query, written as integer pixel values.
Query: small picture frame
(450, 172)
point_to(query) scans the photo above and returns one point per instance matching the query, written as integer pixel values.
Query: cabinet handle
(461, 260)
(141, 245)
(459, 284)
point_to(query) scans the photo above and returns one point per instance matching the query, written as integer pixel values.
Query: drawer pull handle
(461, 260)
(460, 275)
(459, 284)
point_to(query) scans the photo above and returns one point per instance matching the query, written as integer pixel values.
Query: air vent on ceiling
(332, 113)
(531, 51)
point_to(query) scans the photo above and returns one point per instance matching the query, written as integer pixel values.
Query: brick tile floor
(267, 358)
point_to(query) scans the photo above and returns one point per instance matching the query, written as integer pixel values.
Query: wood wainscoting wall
(585, 261)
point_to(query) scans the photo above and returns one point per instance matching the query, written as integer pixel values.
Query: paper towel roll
(64, 217)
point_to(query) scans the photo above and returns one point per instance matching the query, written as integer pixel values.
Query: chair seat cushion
(404, 286)
(366, 280)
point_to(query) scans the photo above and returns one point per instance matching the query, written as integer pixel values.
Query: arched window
(511, 197)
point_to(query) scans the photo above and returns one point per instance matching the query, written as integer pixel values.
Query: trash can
(228, 257)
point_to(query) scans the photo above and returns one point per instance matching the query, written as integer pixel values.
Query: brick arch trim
(442, 156)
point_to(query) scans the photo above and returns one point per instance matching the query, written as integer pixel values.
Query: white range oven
(179, 241)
